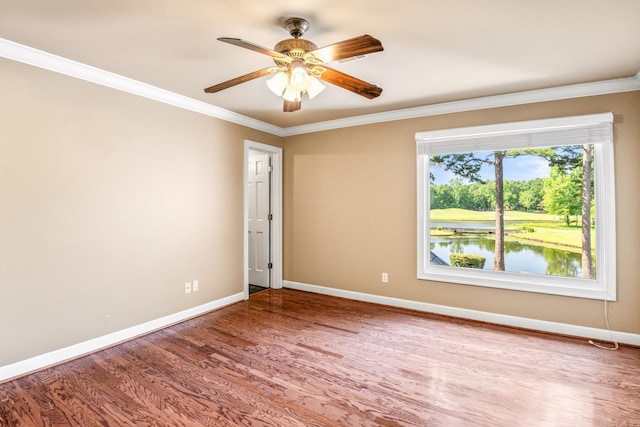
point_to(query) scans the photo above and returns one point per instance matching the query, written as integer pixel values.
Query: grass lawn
(549, 229)
(468, 215)
(570, 239)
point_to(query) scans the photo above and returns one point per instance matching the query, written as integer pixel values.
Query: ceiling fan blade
(238, 80)
(252, 46)
(345, 81)
(291, 106)
(348, 48)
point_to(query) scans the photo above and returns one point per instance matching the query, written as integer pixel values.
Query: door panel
(258, 181)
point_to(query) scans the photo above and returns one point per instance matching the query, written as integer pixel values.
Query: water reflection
(518, 256)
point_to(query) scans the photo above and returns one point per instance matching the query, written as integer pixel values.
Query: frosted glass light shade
(299, 80)
(278, 83)
(290, 94)
(314, 88)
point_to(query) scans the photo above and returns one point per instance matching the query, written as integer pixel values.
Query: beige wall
(109, 203)
(350, 213)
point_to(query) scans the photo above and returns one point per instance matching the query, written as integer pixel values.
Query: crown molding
(48, 61)
(38, 58)
(604, 87)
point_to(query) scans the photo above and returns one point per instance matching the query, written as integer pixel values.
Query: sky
(523, 168)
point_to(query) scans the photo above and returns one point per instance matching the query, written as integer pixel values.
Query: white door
(258, 225)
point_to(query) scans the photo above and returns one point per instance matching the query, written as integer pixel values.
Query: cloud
(526, 168)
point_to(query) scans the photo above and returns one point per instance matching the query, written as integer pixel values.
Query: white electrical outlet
(187, 287)
(385, 278)
(195, 286)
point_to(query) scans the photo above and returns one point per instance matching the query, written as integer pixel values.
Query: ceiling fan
(300, 64)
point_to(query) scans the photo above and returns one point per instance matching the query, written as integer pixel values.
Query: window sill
(524, 282)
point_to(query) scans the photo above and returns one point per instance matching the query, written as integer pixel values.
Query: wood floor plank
(290, 358)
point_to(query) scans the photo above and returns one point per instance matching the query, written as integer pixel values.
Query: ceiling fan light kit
(278, 83)
(300, 66)
(299, 79)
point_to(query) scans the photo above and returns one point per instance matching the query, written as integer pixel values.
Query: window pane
(519, 211)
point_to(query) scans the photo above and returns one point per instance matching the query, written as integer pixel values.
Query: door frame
(275, 274)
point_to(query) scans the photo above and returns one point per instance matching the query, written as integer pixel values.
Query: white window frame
(594, 129)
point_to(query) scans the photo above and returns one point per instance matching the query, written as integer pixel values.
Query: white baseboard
(56, 357)
(501, 319)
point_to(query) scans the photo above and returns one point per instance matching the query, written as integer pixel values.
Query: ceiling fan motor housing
(295, 48)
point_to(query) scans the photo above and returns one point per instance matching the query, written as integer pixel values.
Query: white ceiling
(434, 50)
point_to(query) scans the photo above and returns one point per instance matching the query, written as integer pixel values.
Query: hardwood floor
(290, 358)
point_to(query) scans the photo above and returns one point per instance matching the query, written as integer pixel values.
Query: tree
(483, 195)
(461, 194)
(587, 261)
(512, 190)
(498, 258)
(469, 165)
(441, 197)
(530, 197)
(562, 194)
(571, 157)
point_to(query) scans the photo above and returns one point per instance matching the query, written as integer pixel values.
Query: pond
(518, 256)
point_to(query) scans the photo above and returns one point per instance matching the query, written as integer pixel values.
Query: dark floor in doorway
(253, 289)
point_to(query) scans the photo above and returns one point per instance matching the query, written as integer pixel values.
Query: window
(527, 206)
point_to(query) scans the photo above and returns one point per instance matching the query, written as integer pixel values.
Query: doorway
(259, 220)
(262, 217)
